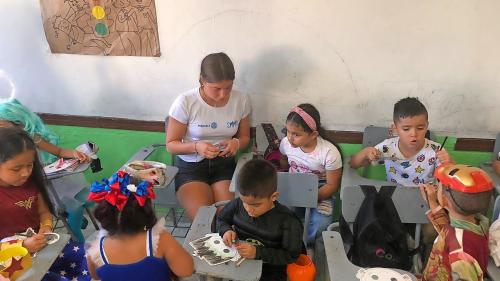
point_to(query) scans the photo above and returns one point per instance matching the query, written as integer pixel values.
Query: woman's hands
(225, 148)
(230, 147)
(206, 149)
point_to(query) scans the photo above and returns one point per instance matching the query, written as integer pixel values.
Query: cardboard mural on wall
(101, 27)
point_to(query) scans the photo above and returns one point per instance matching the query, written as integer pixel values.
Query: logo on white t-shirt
(212, 125)
(232, 124)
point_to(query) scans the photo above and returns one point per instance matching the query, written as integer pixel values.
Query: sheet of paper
(61, 165)
(212, 249)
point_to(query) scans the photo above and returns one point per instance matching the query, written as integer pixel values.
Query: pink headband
(306, 117)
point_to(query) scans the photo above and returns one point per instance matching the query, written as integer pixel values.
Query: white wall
(351, 58)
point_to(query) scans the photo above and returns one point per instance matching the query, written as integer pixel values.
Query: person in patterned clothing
(23, 192)
(410, 157)
(456, 205)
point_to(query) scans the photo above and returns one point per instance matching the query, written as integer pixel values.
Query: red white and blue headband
(118, 189)
(306, 117)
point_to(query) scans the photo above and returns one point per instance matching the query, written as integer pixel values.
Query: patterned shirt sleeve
(384, 148)
(438, 218)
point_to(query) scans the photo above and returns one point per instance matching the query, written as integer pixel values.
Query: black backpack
(378, 238)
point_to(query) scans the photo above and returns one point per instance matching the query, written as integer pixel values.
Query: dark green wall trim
(352, 137)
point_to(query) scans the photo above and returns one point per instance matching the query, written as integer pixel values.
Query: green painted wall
(464, 157)
(378, 172)
(117, 146)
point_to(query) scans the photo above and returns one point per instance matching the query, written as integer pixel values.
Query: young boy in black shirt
(261, 227)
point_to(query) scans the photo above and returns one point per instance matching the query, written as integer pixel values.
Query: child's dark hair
(14, 141)
(468, 204)
(217, 67)
(408, 107)
(133, 219)
(258, 179)
(295, 118)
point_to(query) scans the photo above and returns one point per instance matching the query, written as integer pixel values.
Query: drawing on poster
(101, 27)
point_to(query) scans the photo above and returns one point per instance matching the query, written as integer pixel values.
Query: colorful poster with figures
(101, 27)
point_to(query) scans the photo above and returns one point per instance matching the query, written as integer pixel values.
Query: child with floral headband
(307, 149)
(126, 212)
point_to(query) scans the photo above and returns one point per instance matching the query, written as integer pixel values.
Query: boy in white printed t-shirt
(410, 158)
(408, 171)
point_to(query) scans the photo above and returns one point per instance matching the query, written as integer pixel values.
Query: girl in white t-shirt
(306, 149)
(206, 128)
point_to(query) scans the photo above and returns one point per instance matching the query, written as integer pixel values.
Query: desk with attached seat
(44, 259)
(249, 270)
(67, 184)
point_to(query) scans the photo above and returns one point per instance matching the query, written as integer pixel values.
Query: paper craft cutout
(381, 274)
(220, 146)
(51, 237)
(19, 236)
(28, 233)
(212, 249)
(61, 165)
(151, 171)
(14, 259)
(101, 27)
(69, 165)
(89, 148)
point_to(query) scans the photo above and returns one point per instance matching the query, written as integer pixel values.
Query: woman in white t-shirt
(206, 128)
